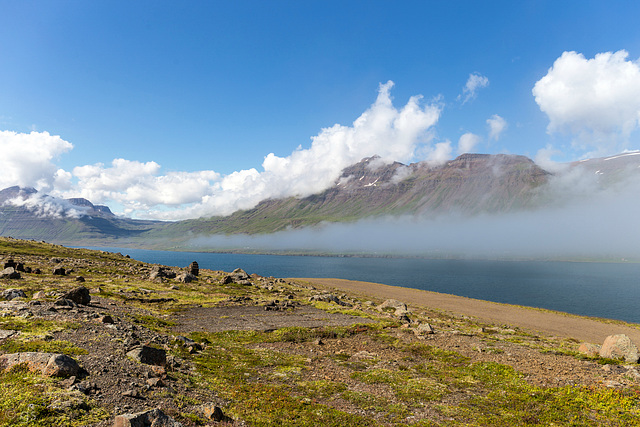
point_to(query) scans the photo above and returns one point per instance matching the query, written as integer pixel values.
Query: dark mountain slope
(470, 184)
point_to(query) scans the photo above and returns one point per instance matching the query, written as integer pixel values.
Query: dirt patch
(256, 318)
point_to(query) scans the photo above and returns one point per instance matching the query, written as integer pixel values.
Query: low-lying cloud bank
(583, 219)
(605, 232)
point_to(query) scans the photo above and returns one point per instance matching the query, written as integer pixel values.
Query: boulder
(399, 308)
(161, 272)
(186, 277)
(79, 295)
(423, 329)
(63, 302)
(9, 273)
(329, 298)
(9, 294)
(48, 364)
(619, 347)
(214, 413)
(590, 350)
(10, 263)
(239, 274)
(59, 271)
(150, 418)
(148, 355)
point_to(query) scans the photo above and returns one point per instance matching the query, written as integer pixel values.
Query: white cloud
(496, 126)
(142, 190)
(440, 153)
(597, 100)
(27, 159)
(383, 130)
(468, 142)
(139, 186)
(474, 82)
(43, 205)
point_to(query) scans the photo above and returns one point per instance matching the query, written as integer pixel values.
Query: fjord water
(608, 290)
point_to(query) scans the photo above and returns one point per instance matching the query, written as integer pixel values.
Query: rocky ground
(202, 347)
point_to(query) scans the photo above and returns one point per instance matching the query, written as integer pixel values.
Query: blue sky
(193, 96)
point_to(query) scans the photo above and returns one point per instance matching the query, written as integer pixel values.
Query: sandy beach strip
(559, 324)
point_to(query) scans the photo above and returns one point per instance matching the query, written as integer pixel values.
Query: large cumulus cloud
(142, 190)
(28, 159)
(384, 130)
(596, 100)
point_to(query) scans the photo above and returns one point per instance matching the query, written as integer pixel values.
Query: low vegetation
(373, 370)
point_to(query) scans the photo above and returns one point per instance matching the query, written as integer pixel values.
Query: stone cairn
(194, 269)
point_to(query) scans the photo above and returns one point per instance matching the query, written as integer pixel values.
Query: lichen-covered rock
(590, 350)
(329, 298)
(9, 273)
(186, 277)
(9, 294)
(619, 347)
(150, 418)
(399, 308)
(48, 364)
(423, 329)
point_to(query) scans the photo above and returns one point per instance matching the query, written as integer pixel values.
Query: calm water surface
(592, 289)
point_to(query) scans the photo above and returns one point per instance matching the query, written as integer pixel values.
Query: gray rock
(48, 364)
(158, 272)
(619, 347)
(239, 274)
(590, 350)
(186, 277)
(148, 355)
(329, 298)
(150, 418)
(63, 302)
(9, 273)
(399, 308)
(79, 295)
(424, 329)
(10, 294)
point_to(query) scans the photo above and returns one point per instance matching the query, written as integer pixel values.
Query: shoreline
(592, 330)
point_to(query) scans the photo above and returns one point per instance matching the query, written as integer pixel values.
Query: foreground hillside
(147, 343)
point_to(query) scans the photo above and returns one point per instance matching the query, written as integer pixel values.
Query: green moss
(54, 346)
(29, 400)
(34, 326)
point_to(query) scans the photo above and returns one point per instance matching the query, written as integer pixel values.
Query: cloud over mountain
(144, 191)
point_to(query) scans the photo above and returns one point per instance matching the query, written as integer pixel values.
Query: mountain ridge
(471, 184)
